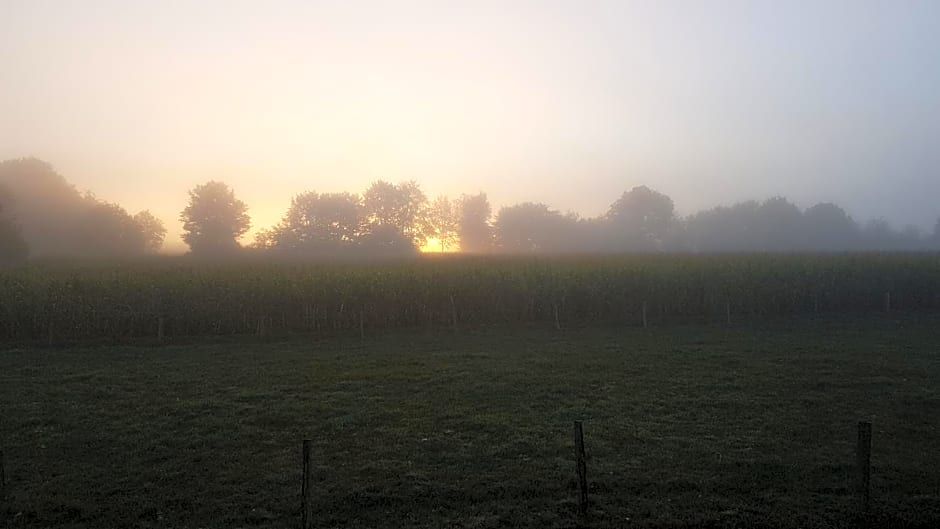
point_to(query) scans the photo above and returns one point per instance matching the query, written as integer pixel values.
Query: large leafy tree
(779, 226)
(444, 222)
(828, 227)
(107, 230)
(474, 229)
(46, 206)
(400, 209)
(13, 247)
(641, 219)
(316, 222)
(214, 219)
(153, 230)
(531, 227)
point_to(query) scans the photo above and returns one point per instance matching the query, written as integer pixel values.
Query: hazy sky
(565, 102)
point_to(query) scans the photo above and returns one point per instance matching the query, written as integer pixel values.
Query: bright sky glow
(564, 102)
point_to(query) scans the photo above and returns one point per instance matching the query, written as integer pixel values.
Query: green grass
(743, 426)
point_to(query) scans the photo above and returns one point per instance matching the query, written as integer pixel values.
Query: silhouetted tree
(265, 239)
(316, 222)
(912, 238)
(879, 235)
(640, 220)
(46, 206)
(724, 229)
(531, 227)
(402, 207)
(443, 222)
(153, 229)
(936, 236)
(829, 228)
(386, 240)
(214, 219)
(13, 248)
(778, 226)
(474, 230)
(107, 230)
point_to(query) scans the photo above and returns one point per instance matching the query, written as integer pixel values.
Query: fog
(42, 215)
(565, 105)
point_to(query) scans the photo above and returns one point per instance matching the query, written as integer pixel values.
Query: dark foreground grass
(693, 426)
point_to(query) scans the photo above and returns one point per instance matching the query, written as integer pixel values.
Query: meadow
(64, 303)
(695, 425)
(716, 391)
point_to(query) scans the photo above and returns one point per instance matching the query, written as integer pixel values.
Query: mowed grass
(746, 425)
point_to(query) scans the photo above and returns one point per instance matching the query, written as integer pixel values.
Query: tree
(443, 222)
(13, 248)
(879, 235)
(387, 240)
(265, 239)
(912, 238)
(474, 230)
(531, 227)
(214, 219)
(402, 207)
(153, 229)
(724, 229)
(829, 228)
(107, 230)
(641, 219)
(316, 222)
(778, 225)
(936, 235)
(46, 208)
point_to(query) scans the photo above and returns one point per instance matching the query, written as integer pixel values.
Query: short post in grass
(863, 461)
(161, 328)
(306, 490)
(887, 301)
(645, 321)
(728, 311)
(581, 467)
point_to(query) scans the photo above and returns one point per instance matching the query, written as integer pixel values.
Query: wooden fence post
(306, 490)
(863, 460)
(581, 467)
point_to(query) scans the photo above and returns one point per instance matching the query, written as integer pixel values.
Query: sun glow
(433, 245)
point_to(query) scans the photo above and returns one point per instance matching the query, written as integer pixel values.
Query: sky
(566, 102)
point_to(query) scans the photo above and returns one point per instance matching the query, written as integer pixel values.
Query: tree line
(42, 214)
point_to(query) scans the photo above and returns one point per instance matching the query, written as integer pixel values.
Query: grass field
(747, 425)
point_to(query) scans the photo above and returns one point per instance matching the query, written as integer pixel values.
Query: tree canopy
(13, 247)
(473, 227)
(42, 214)
(214, 219)
(317, 223)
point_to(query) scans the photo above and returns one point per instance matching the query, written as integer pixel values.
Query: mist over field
(469, 264)
(46, 216)
(566, 104)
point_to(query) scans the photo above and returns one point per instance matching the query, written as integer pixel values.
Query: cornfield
(184, 298)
